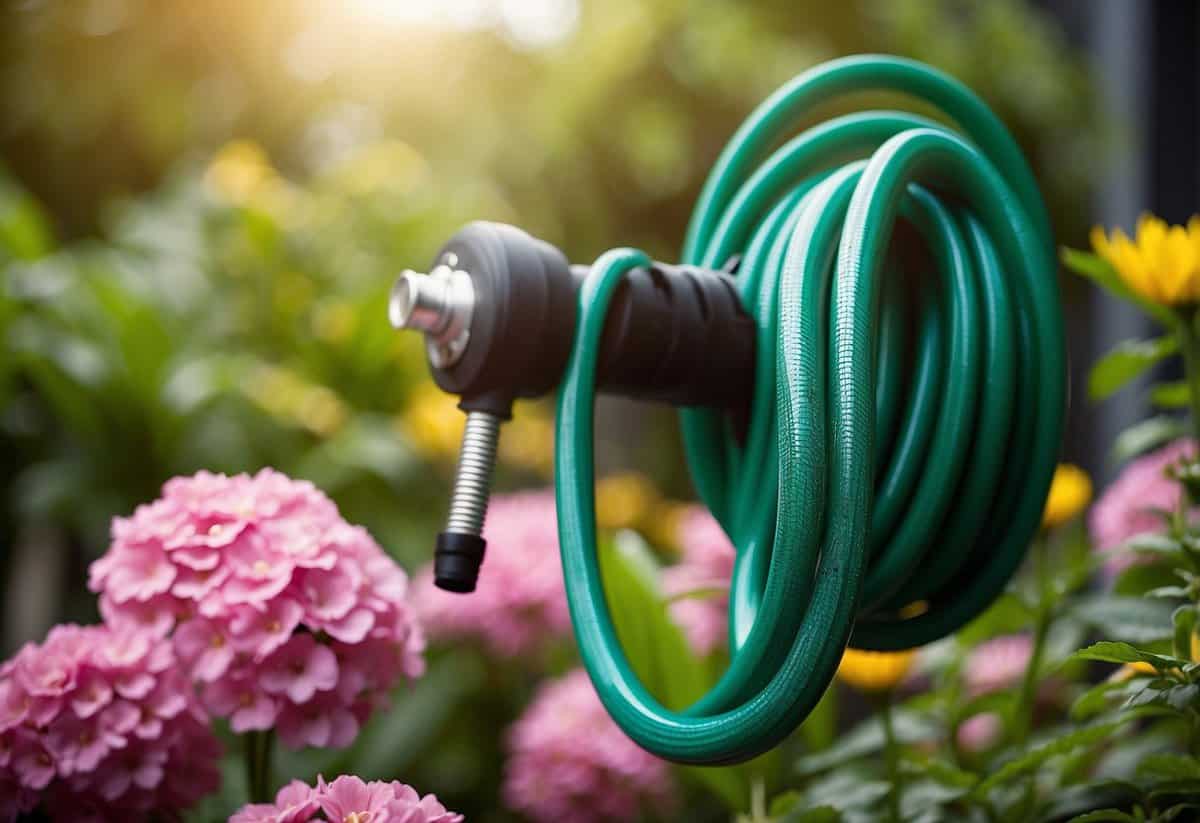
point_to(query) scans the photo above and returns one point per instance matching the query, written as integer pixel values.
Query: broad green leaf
(1132, 619)
(1103, 274)
(1146, 435)
(818, 814)
(1007, 615)
(1170, 766)
(1104, 816)
(655, 646)
(1174, 395)
(1113, 652)
(1033, 759)
(1187, 790)
(784, 802)
(1184, 620)
(944, 772)
(1102, 696)
(1085, 798)
(1125, 362)
(24, 229)
(819, 729)
(657, 649)
(394, 739)
(868, 738)
(847, 790)
(1151, 543)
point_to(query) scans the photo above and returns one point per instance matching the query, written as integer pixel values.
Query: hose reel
(865, 339)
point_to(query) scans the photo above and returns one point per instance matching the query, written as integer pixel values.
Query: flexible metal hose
(853, 494)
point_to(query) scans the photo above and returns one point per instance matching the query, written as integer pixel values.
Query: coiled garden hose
(880, 485)
(848, 499)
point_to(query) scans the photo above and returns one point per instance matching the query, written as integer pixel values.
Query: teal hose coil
(854, 491)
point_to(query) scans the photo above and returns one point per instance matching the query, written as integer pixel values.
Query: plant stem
(892, 753)
(1023, 715)
(257, 752)
(1189, 347)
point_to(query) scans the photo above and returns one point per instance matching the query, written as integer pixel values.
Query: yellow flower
(434, 424)
(870, 671)
(239, 170)
(1161, 263)
(624, 500)
(1070, 492)
(527, 440)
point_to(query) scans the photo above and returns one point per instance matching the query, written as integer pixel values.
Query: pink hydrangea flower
(979, 732)
(99, 723)
(348, 799)
(276, 606)
(568, 760)
(519, 605)
(997, 664)
(1132, 504)
(700, 581)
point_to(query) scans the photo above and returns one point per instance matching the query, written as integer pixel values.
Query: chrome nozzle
(438, 304)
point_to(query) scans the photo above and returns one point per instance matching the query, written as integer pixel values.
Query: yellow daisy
(1161, 263)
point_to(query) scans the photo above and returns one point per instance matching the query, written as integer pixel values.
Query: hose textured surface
(906, 415)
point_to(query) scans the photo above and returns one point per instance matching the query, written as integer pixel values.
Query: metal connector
(440, 305)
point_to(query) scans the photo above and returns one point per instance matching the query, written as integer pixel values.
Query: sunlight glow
(528, 23)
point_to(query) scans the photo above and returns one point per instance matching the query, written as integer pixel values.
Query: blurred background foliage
(202, 206)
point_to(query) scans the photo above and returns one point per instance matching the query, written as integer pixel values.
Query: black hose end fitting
(524, 318)
(457, 558)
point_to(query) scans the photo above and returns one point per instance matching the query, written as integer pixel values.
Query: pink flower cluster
(101, 724)
(348, 799)
(700, 581)
(519, 605)
(997, 664)
(1133, 503)
(287, 615)
(570, 761)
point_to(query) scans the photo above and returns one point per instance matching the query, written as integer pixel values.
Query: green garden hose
(851, 495)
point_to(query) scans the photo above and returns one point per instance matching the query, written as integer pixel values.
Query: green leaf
(785, 802)
(1103, 816)
(1100, 697)
(1084, 798)
(1151, 543)
(1167, 766)
(1112, 652)
(655, 646)
(1032, 760)
(1125, 362)
(847, 791)
(24, 229)
(1101, 272)
(1146, 435)
(657, 649)
(1174, 395)
(817, 814)
(1142, 578)
(395, 739)
(1133, 619)
(868, 738)
(1184, 620)
(946, 773)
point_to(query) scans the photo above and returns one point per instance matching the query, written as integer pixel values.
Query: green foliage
(1125, 362)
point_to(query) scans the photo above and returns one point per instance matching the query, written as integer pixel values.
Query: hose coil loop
(882, 466)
